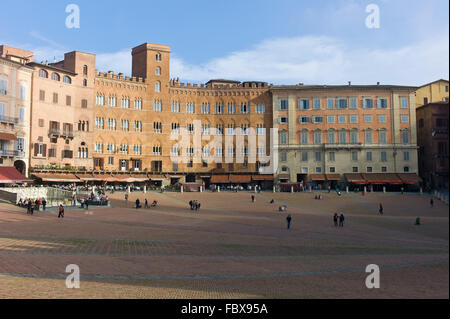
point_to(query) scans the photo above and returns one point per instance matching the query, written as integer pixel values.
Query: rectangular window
(368, 118)
(41, 95)
(383, 156)
(283, 156)
(21, 114)
(316, 102)
(283, 138)
(317, 137)
(353, 118)
(405, 137)
(382, 103)
(353, 102)
(342, 103)
(282, 120)
(84, 103)
(354, 156)
(303, 119)
(404, 102)
(331, 137)
(381, 118)
(330, 119)
(304, 156)
(354, 137)
(406, 156)
(330, 103)
(382, 137)
(68, 100)
(369, 156)
(303, 104)
(318, 156)
(332, 156)
(55, 98)
(404, 118)
(342, 118)
(231, 108)
(317, 119)
(283, 105)
(342, 137)
(367, 103)
(260, 109)
(318, 170)
(304, 137)
(368, 137)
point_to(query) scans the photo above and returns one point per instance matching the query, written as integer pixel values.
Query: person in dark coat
(138, 203)
(29, 206)
(146, 203)
(431, 202)
(61, 211)
(335, 219)
(341, 220)
(381, 209)
(289, 219)
(44, 203)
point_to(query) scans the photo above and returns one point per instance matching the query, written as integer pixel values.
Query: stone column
(365, 189)
(145, 189)
(292, 189)
(129, 189)
(346, 189)
(384, 189)
(274, 189)
(181, 189)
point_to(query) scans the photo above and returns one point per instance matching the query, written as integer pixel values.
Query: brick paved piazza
(231, 248)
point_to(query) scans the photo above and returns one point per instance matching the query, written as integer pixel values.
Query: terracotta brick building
(432, 139)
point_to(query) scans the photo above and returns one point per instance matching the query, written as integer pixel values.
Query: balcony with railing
(9, 119)
(8, 153)
(62, 133)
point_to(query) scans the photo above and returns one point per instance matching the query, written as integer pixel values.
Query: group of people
(31, 205)
(194, 204)
(318, 197)
(138, 203)
(338, 220)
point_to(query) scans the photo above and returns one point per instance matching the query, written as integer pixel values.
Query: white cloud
(325, 60)
(119, 62)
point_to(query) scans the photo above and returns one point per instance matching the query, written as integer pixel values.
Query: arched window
(67, 79)
(158, 57)
(43, 74)
(158, 86)
(158, 71)
(55, 76)
(84, 82)
(85, 70)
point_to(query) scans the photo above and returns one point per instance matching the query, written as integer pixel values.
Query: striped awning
(10, 175)
(57, 178)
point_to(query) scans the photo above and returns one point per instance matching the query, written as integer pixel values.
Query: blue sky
(278, 41)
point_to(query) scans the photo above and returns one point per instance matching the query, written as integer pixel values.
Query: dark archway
(20, 166)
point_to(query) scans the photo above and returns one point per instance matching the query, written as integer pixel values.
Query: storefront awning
(410, 178)
(10, 175)
(382, 178)
(216, 179)
(318, 177)
(57, 178)
(284, 176)
(240, 178)
(156, 178)
(333, 177)
(262, 177)
(8, 136)
(91, 177)
(355, 178)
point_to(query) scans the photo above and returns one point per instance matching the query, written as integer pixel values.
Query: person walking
(381, 209)
(138, 203)
(335, 219)
(431, 202)
(253, 198)
(61, 211)
(126, 199)
(86, 203)
(341, 220)
(29, 205)
(289, 219)
(44, 203)
(146, 203)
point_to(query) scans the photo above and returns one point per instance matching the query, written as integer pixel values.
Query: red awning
(8, 136)
(382, 178)
(10, 175)
(410, 178)
(355, 178)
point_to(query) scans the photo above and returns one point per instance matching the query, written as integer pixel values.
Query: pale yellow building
(436, 91)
